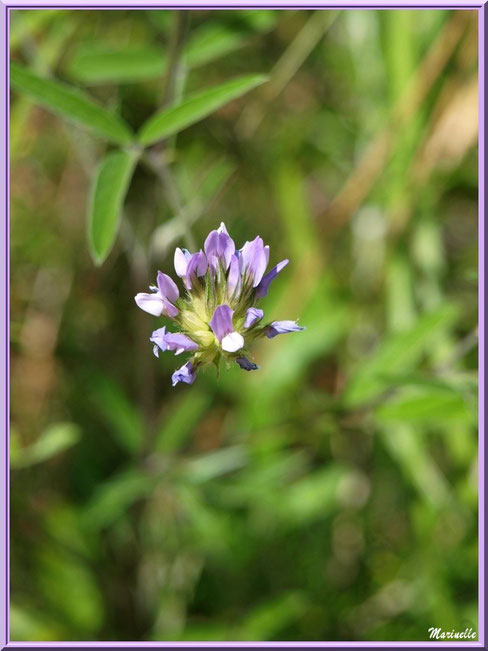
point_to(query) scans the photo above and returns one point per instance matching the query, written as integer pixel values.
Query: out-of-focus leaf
(183, 417)
(110, 186)
(214, 529)
(397, 353)
(407, 446)
(57, 438)
(62, 525)
(270, 476)
(27, 623)
(400, 305)
(302, 502)
(70, 587)
(115, 496)
(215, 464)
(259, 21)
(194, 108)
(267, 620)
(117, 66)
(212, 41)
(427, 405)
(461, 383)
(284, 360)
(118, 411)
(205, 44)
(311, 497)
(70, 103)
(24, 24)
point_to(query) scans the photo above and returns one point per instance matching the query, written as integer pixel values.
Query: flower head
(216, 318)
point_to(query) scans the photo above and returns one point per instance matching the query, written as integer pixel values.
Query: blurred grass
(332, 495)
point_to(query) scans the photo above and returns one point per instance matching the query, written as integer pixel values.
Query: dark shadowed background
(331, 495)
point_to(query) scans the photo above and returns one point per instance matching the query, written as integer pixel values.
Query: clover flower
(217, 317)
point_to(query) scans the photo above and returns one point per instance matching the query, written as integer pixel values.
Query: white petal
(232, 342)
(181, 262)
(151, 303)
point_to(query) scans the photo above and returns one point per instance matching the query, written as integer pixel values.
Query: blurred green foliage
(332, 495)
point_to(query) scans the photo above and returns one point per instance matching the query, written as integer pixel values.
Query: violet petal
(253, 260)
(253, 315)
(167, 287)
(282, 327)
(234, 276)
(219, 246)
(158, 339)
(221, 321)
(179, 342)
(187, 374)
(262, 288)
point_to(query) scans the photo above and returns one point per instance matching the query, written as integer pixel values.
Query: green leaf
(117, 66)
(268, 619)
(120, 414)
(426, 405)
(212, 41)
(25, 24)
(398, 353)
(181, 419)
(194, 108)
(70, 103)
(62, 579)
(215, 464)
(207, 43)
(406, 445)
(112, 498)
(110, 186)
(55, 439)
(310, 498)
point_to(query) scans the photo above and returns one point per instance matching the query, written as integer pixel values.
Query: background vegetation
(333, 494)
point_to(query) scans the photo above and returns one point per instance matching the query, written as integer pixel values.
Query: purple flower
(262, 288)
(157, 338)
(282, 328)
(253, 260)
(221, 324)
(181, 261)
(234, 277)
(171, 341)
(189, 267)
(180, 343)
(197, 267)
(245, 364)
(160, 301)
(219, 247)
(217, 315)
(187, 374)
(253, 315)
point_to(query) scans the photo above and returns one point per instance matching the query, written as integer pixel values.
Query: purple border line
(250, 4)
(191, 6)
(482, 17)
(4, 327)
(236, 645)
(7, 325)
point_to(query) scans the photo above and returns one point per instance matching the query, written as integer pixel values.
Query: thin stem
(176, 66)
(156, 159)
